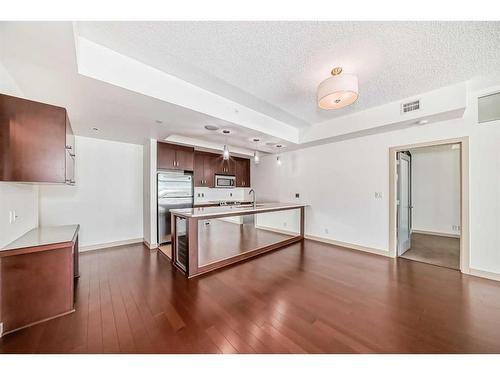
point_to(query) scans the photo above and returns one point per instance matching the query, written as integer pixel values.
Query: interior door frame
(464, 196)
(402, 155)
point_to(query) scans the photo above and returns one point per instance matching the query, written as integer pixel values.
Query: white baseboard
(348, 245)
(441, 234)
(150, 246)
(110, 244)
(276, 230)
(484, 274)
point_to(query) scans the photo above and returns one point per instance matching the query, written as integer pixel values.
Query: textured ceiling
(275, 67)
(40, 58)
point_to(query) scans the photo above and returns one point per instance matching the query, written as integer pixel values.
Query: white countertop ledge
(202, 212)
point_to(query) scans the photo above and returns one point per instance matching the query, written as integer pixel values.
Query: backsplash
(205, 194)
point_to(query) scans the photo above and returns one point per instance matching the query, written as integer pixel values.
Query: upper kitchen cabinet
(175, 157)
(37, 143)
(242, 172)
(204, 169)
(226, 167)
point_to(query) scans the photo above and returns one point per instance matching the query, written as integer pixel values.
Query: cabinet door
(70, 154)
(242, 172)
(209, 169)
(166, 156)
(199, 169)
(184, 157)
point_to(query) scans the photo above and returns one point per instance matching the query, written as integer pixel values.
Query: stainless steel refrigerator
(175, 190)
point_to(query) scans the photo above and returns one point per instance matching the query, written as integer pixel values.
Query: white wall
(436, 189)
(205, 194)
(23, 199)
(339, 181)
(107, 200)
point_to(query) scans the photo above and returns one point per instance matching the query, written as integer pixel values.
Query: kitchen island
(208, 238)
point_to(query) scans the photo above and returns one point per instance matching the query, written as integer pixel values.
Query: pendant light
(225, 153)
(278, 159)
(338, 91)
(256, 156)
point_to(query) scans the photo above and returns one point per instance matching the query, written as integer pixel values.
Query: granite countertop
(44, 236)
(221, 211)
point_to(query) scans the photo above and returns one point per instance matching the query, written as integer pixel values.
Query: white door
(404, 202)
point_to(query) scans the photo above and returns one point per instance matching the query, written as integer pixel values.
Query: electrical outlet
(455, 227)
(297, 195)
(378, 195)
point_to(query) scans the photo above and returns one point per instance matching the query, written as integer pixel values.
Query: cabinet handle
(68, 147)
(70, 181)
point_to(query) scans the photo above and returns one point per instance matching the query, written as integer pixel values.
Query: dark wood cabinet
(226, 167)
(205, 165)
(36, 142)
(37, 273)
(204, 170)
(242, 172)
(170, 156)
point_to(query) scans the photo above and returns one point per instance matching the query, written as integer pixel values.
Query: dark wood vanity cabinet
(204, 169)
(242, 169)
(36, 142)
(176, 157)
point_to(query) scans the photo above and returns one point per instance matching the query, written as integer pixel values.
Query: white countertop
(44, 236)
(201, 212)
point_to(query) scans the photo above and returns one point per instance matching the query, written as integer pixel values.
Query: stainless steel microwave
(222, 181)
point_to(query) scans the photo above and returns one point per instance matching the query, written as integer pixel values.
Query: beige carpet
(437, 250)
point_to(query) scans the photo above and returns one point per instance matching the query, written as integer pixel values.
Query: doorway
(429, 220)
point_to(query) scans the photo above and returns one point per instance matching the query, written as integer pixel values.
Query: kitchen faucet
(254, 200)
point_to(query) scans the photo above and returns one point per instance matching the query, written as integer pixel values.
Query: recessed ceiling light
(226, 132)
(95, 129)
(256, 140)
(159, 121)
(211, 127)
(421, 122)
(279, 146)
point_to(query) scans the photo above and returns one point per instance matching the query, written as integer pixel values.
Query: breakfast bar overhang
(207, 238)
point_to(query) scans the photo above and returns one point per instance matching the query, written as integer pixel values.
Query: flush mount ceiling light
(338, 91)
(211, 127)
(95, 129)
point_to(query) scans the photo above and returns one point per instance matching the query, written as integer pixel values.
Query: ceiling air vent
(410, 106)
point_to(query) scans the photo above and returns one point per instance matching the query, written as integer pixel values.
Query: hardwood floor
(438, 250)
(237, 239)
(306, 298)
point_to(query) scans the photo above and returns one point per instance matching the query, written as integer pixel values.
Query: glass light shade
(225, 154)
(338, 91)
(256, 157)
